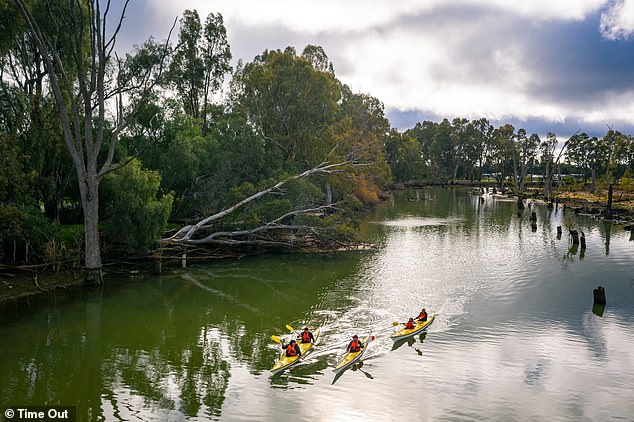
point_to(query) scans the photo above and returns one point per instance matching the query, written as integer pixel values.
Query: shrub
(134, 218)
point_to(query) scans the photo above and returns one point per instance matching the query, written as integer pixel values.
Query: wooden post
(583, 241)
(574, 234)
(599, 295)
(520, 203)
(184, 261)
(558, 232)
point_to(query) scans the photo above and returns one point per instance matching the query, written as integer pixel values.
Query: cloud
(360, 15)
(618, 21)
(540, 62)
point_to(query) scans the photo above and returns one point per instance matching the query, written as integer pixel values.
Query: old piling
(520, 203)
(558, 232)
(583, 241)
(599, 295)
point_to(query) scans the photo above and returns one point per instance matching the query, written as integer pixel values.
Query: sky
(544, 65)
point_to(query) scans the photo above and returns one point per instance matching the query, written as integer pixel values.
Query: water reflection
(514, 328)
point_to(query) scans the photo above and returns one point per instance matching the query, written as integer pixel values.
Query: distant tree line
(468, 150)
(99, 153)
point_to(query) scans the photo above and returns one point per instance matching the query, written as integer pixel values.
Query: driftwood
(261, 235)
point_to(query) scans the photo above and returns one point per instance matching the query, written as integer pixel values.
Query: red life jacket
(290, 350)
(422, 316)
(355, 346)
(305, 337)
(410, 325)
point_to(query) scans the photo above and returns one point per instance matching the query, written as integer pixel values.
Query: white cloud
(468, 58)
(618, 21)
(359, 15)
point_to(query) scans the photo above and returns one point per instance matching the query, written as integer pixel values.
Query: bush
(25, 233)
(134, 218)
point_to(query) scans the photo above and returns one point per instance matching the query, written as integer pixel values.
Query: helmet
(305, 328)
(355, 336)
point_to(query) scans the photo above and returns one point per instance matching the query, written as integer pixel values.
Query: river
(515, 338)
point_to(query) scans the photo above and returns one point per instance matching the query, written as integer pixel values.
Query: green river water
(516, 338)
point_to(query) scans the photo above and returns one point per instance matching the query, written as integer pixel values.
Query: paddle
(289, 328)
(276, 339)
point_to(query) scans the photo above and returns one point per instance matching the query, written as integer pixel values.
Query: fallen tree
(282, 231)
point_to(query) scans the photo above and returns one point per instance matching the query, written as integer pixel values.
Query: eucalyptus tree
(316, 55)
(618, 147)
(501, 153)
(587, 154)
(27, 112)
(523, 157)
(441, 150)
(459, 145)
(290, 104)
(404, 157)
(83, 90)
(423, 133)
(366, 137)
(200, 63)
(547, 161)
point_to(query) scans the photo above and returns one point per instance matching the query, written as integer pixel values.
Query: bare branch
(186, 233)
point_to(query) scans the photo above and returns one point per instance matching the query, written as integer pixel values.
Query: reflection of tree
(160, 347)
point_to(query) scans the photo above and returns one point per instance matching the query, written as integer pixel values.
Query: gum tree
(84, 89)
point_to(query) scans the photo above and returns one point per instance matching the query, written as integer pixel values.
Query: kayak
(409, 332)
(350, 358)
(285, 362)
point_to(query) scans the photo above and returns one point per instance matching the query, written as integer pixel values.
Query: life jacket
(355, 346)
(410, 325)
(422, 316)
(290, 350)
(305, 337)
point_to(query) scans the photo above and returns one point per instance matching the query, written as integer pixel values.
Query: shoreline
(18, 286)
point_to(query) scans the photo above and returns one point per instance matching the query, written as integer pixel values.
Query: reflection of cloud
(551, 366)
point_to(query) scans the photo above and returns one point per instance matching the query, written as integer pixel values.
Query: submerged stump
(574, 236)
(599, 295)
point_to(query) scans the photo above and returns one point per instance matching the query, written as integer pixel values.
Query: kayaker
(410, 324)
(355, 345)
(422, 316)
(292, 349)
(307, 336)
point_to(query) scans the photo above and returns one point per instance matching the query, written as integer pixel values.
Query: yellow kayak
(285, 362)
(350, 358)
(419, 328)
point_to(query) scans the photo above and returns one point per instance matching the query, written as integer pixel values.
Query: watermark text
(40, 413)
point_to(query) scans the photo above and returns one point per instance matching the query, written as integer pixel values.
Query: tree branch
(186, 233)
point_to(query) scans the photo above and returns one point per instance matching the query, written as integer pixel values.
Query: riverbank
(19, 288)
(18, 285)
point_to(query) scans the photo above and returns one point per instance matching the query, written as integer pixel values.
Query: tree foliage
(134, 217)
